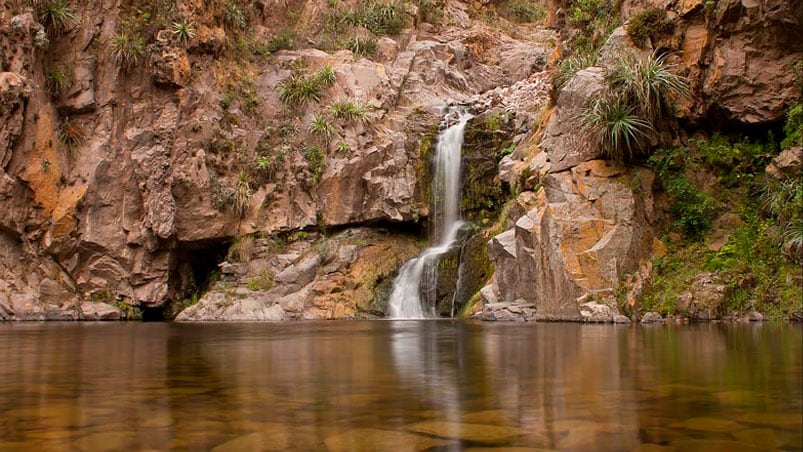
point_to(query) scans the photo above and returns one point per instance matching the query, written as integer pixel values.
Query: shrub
(298, 89)
(282, 41)
(183, 31)
(316, 162)
(58, 80)
(616, 127)
(570, 66)
(648, 23)
(793, 126)
(524, 11)
(378, 17)
(57, 16)
(325, 76)
(647, 83)
(263, 281)
(321, 127)
(350, 111)
(362, 45)
(71, 134)
(128, 49)
(233, 16)
(241, 249)
(242, 195)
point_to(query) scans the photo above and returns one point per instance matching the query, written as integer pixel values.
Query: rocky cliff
(140, 141)
(270, 160)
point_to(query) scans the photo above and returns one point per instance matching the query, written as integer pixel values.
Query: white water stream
(405, 300)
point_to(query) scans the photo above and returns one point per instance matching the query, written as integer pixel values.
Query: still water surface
(400, 385)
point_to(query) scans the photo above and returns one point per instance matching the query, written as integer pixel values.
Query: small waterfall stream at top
(406, 301)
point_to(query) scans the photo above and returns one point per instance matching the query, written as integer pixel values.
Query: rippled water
(405, 385)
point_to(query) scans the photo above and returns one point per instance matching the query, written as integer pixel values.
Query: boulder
(786, 164)
(706, 298)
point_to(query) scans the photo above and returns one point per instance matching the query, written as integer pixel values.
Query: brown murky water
(408, 385)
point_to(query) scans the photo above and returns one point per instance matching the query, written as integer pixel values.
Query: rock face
(341, 276)
(737, 54)
(589, 226)
(109, 183)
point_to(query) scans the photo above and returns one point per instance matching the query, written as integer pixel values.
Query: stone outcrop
(737, 54)
(116, 179)
(344, 275)
(587, 227)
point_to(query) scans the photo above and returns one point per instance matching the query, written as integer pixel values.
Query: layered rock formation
(114, 186)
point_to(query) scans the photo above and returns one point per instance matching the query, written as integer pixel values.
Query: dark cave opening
(195, 269)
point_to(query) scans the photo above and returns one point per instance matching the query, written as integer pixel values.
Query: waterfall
(406, 300)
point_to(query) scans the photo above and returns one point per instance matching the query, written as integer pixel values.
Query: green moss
(649, 23)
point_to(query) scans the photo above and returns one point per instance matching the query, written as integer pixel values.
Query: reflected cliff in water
(413, 385)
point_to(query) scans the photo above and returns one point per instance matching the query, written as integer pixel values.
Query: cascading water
(405, 300)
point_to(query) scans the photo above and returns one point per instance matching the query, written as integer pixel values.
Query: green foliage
(183, 31)
(691, 209)
(783, 200)
(350, 111)
(595, 20)
(638, 95)
(431, 11)
(733, 163)
(57, 16)
(71, 134)
(378, 17)
(241, 249)
(316, 162)
(128, 48)
(261, 282)
(342, 148)
(524, 11)
(793, 126)
(571, 65)
(647, 24)
(647, 83)
(282, 41)
(234, 17)
(58, 80)
(245, 93)
(615, 127)
(325, 76)
(299, 89)
(362, 46)
(321, 127)
(242, 195)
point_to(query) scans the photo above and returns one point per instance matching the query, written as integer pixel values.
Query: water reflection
(408, 385)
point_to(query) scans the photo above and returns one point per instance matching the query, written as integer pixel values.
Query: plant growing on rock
(58, 80)
(242, 194)
(128, 49)
(362, 46)
(316, 162)
(570, 66)
(648, 23)
(71, 134)
(282, 41)
(616, 127)
(350, 111)
(325, 76)
(524, 11)
(241, 249)
(183, 31)
(234, 17)
(638, 95)
(321, 127)
(57, 16)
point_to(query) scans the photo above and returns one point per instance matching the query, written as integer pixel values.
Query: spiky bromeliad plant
(57, 16)
(299, 89)
(321, 127)
(638, 95)
(183, 31)
(616, 127)
(128, 49)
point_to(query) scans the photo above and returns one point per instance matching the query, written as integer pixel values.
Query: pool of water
(400, 385)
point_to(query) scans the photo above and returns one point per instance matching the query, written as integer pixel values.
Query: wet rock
(377, 439)
(594, 312)
(706, 298)
(652, 317)
(507, 311)
(99, 311)
(478, 433)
